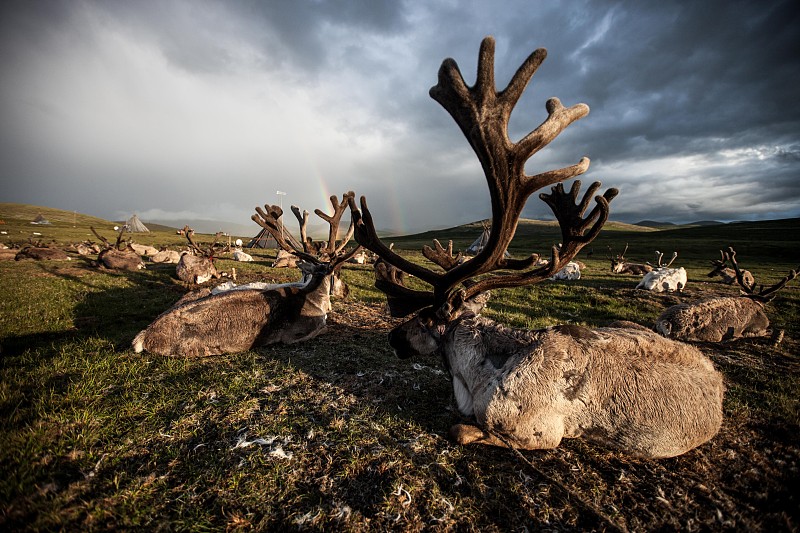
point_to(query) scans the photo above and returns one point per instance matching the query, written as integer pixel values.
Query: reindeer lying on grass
(198, 265)
(39, 252)
(663, 278)
(118, 256)
(727, 274)
(620, 265)
(203, 323)
(627, 388)
(724, 318)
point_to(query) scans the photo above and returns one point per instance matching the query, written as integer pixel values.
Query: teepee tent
(481, 241)
(262, 240)
(40, 220)
(135, 225)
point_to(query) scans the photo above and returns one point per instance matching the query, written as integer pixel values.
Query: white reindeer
(663, 278)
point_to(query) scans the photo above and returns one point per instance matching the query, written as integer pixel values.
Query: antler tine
(764, 294)
(269, 219)
(730, 255)
(302, 220)
(441, 256)
(119, 237)
(367, 236)
(574, 231)
(347, 236)
(622, 255)
(769, 293)
(188, 232)
(402, 300)
(674, 255)
(334, 220)
(103, 239)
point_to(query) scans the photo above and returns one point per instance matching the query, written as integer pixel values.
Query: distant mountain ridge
(663, 225)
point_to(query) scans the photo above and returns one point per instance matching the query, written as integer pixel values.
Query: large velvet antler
(483, 113)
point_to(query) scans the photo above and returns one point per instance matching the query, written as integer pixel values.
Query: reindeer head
(618, 262)
(459, 288)
(318, 258)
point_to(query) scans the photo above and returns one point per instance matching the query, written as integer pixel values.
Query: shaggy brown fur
(115, 259)
(201, 324)
(41, 254)
(714, 320)
(196, 269)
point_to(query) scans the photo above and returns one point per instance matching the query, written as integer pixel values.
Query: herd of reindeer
(645, 391)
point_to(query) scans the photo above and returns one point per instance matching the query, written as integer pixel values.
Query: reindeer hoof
(466, 434)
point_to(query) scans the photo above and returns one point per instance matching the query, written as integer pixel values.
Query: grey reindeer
(630, 389)
(723, 318)
(204, 324)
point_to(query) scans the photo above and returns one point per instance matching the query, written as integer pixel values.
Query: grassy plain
(336, 433)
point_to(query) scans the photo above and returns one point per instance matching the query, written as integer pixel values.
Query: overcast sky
(190, 109)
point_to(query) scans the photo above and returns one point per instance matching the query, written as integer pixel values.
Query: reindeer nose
(399, 343)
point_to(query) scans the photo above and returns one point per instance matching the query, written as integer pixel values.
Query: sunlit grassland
(336, 433)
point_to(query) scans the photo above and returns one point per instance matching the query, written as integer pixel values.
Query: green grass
(96, 437)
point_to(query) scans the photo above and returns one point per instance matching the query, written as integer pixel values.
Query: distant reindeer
(324, 250)
(727, 274)
(118, 256)
(240, 255)
(663, 278)
(203, 323)
(198, 267)
(166, 256)
(620, 265)
(144, 249)
(39, 252)
(627, 388)
(723, 318)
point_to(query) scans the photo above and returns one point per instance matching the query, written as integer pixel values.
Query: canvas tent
(481, 241)
(40, 220)
(262, 240)
(134, 225)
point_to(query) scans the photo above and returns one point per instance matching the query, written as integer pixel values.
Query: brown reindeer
(620, 265)
(203, 323)
(723, 318)
(324, 250)
(40, 252)
(728, 274)
(118, 256)
(198, 265)
(627, 388)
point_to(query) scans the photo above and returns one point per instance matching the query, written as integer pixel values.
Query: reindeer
(40, 252)
(167, 256)
(628, 388)
(723, 318)
(205, 323)
(117, 256)
(620, 265)
(324, 250)
(198, 267)
(144, 249)
(727, 274)
(663, 278)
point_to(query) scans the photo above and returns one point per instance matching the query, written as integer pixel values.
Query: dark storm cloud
(206, 107)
